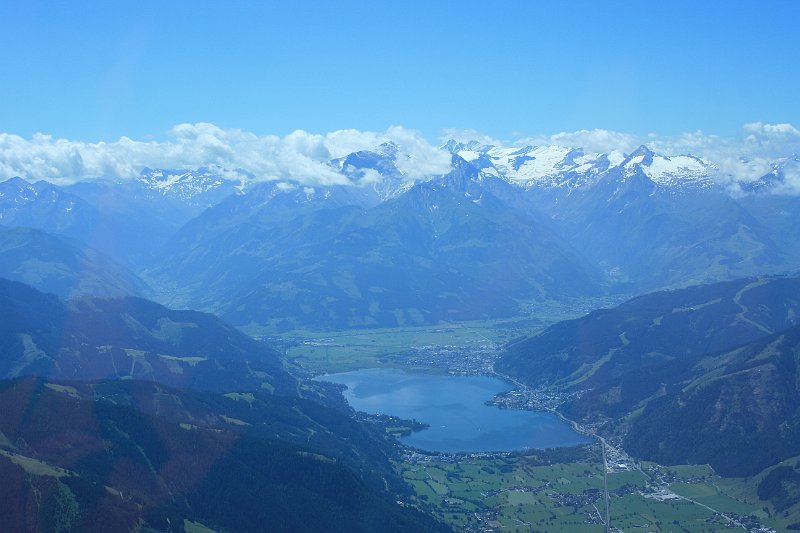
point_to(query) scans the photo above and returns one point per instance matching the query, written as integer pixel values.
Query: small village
(466, 360)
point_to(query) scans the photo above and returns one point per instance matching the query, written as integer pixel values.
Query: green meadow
(536, 492)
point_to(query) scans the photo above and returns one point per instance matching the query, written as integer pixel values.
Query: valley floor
(559, 490)
(562, 491)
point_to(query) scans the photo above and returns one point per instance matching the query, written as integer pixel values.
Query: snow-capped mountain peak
(553, 167)
(190, 186)
(672, 172)
(783, 178)
(533, 166)
(641, 156)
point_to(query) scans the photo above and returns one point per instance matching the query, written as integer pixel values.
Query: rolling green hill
(458, 247)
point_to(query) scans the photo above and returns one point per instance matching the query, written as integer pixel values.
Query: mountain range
(506, 228)
(701, 366)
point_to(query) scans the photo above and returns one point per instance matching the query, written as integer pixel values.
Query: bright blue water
(454, 408)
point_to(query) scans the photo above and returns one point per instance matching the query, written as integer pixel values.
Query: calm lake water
(454, 408)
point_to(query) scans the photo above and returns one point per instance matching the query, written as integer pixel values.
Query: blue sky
(99, 70)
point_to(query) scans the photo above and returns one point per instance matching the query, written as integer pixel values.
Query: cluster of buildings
(467, 360)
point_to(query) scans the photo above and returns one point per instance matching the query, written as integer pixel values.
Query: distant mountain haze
(506, 227)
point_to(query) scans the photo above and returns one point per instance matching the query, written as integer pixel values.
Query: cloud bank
(299, 156)
(304, 157)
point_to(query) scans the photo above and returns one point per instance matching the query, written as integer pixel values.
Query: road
(605, 483)
(603, 445)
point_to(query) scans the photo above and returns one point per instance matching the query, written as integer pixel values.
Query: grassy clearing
(191, 361)
(337, 358)
(714, 498)
(34, 466)
(196, 527)
(632, 512)
(66, 389)
(241, 396)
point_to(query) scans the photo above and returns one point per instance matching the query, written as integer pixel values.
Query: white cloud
(596, 141)
(344, 142)
(299, 156)
(302, 156)
(791, 181)
(417, 158)
(745, 157)
(369, 176)
(761, 128)
(466, 135)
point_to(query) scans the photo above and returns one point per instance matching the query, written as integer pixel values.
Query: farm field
(562, 491)
(332, 352)
(340, 351)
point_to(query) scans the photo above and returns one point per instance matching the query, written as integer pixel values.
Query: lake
(455, 409)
